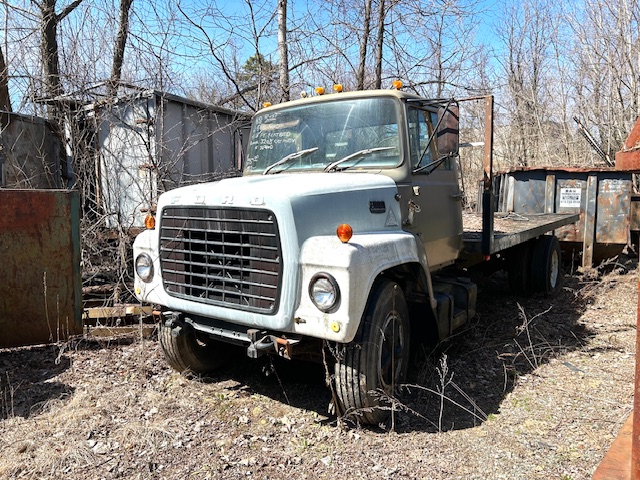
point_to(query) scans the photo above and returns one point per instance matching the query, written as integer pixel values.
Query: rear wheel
(375, 363)
(545, 267)
(184, 352)
(519, 268)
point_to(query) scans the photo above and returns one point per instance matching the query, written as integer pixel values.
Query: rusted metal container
(602, 196)
(629, 157)
(30, 154)
(40, 280)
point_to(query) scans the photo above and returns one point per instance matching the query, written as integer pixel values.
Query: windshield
(355, 133)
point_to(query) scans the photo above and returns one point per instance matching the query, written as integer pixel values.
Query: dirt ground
(533, 388)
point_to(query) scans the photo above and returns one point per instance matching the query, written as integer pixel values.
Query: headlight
(144, 267)
(324, 292)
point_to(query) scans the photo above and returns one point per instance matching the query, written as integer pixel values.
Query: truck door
(434, 204)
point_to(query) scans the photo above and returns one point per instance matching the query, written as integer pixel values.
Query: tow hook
(261, 343)
(173, 321)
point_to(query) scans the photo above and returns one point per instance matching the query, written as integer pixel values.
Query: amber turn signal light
(150, 221)
(344, 232)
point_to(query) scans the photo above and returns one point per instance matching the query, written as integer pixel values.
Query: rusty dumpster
(602, 196)
(40, 278)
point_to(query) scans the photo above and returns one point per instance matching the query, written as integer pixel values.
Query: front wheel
(184, 352)
(375, 363)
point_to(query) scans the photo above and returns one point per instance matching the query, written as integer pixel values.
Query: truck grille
(222, 256)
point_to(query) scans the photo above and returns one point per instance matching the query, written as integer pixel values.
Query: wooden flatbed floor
(512, 229)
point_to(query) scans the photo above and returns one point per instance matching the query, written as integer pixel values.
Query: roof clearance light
(397, 84)
(150, 221)
(337, 88)
(344, 232)
(320, 90)
(266, 104)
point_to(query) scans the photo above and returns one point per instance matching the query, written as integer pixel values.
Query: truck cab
(348, 206)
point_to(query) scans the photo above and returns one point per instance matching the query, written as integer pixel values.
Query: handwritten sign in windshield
(273, 140)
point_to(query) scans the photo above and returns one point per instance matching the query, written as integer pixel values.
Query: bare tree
(5, 99)
(380, 42)
(49, 46)
(527, 34)
(283, 50)
(364, 40)
(119, 47)
(605, 57)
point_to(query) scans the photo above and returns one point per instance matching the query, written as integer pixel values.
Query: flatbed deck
(511, 229)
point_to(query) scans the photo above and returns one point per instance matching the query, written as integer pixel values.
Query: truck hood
(316, 202)
(281, 185)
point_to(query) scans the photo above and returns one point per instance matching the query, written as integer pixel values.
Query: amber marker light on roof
(320, 90)
(266, 104)
(337, 88)
(344, 232)
(397, 84)
(150, 221)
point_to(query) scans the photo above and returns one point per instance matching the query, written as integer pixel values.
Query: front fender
(355, 266)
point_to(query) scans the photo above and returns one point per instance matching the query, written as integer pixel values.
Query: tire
(546, 274)
(519, 265)
(185, 353)
(377, 359)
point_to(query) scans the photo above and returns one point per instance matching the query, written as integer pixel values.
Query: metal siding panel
(529, 195)
(634, 215)
(124, 135)
(574, 232)
(589, 221)
(549, 194)
(612, 217)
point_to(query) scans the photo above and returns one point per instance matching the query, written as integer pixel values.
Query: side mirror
(448, 135)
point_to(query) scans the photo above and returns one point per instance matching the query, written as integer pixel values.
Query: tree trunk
(53, 86)
(49, 49)
(366, 30)
(283, 52)
(118, 49)
(381, 16)
(5, 100)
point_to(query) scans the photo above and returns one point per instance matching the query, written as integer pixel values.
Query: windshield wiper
(291, 156)
(360, 153)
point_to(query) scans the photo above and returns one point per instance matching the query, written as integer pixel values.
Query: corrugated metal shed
(151, 142)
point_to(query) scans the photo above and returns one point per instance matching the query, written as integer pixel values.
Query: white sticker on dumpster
(570, 197)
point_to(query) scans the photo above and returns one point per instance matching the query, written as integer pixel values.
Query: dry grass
(533, 388)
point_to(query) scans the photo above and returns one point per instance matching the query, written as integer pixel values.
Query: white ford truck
(345, 232)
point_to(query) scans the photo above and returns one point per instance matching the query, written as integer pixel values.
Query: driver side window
(420, 130)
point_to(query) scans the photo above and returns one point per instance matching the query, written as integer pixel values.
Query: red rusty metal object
(629, 157)
(40, 280)
(622, 461)
(635, 443)
(616, 465)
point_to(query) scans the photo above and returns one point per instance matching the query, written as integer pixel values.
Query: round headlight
(144, 267)
(324, 292)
